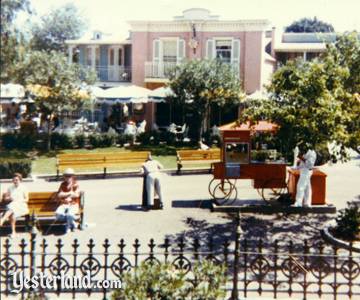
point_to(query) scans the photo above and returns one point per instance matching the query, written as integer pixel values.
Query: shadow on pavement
(191, 204)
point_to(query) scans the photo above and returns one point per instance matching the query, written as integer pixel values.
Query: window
(120, 57)
(97, 56)
(88, 56)
(111, 57)
(169, 50)
(223, 50)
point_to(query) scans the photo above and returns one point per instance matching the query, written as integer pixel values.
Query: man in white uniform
(303, 189)
(151, 168)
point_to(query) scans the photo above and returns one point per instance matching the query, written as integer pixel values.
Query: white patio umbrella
(97, 92)
(159, 94)
(127, 94)
(12, 90)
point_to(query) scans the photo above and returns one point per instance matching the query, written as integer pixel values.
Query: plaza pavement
(112, 206)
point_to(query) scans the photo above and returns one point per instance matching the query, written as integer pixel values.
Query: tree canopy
(62, 23)
(12, 43)
(54, 83)
(309, 25)
(315, 102)
(198, 83)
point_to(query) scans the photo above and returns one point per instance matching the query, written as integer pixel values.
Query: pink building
(157, 46)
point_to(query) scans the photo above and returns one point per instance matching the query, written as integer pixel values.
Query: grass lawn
(45, 163)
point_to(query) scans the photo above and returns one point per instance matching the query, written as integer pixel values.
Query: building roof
(262, 126)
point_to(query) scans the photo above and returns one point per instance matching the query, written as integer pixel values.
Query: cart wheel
(225, 193)
(214, 182)
(271, 194)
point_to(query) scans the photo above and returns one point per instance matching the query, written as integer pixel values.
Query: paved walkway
(112, 206)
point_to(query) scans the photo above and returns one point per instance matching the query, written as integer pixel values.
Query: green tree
(199, 83)
(55, 84)
(345, 52)
(12, 42)
(309, 25)
(315, 102)
(60, 24)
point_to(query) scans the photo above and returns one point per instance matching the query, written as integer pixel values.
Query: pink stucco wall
(251, 48)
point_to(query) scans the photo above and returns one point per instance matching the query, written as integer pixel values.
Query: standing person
(68, 194)
(151, 168)
(306, 165)
(18, 196)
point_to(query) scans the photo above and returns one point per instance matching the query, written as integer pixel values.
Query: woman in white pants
(303, 189)
(151, 168)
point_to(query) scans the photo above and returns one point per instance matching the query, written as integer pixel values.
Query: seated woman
(18, 206)
(67, 194)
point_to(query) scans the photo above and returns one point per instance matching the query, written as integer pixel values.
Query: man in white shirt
(303, 189)
(151, 168)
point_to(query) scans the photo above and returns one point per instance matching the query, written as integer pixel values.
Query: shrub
(164, 281)
(149, 138)
(61, 141)
(80, 140)
(95, 140)
(107, 140)
(124, 139)
(18, 141)
(348, 222)
(10, 166)
(9, 141)
(168, 137)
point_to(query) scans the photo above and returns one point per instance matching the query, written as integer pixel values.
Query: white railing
(159, 69)
(163, 69)
(113, 73)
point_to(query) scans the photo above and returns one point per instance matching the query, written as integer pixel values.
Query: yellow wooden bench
(196, 156)
(81, 161)
(42, 205)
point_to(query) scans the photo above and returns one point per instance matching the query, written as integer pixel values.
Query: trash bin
(318, 186)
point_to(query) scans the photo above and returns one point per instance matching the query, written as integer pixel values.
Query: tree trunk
(48, 142)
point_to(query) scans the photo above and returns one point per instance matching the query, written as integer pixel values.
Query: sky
(110, 16)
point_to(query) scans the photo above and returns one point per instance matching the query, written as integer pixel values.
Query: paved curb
(125, 174)
(327, 236)
(269, 209)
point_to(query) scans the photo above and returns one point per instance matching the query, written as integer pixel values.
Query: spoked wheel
(270, 194)
(214, 182)
(224, 192)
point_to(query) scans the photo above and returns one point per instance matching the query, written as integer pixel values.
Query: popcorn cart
(269, 178)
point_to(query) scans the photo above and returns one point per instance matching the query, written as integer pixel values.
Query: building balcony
(159, 70)
(162, 70)
(113, 73)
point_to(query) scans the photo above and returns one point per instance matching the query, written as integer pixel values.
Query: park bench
(81, 161)
(196, 156)
(42, 205)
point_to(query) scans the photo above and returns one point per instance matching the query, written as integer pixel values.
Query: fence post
(235, 293)
(32, 249)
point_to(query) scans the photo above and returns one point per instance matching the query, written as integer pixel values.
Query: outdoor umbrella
(11, 93)
(126, 94)
(160, 94)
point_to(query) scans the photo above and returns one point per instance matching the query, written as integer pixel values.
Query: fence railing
(253, 268)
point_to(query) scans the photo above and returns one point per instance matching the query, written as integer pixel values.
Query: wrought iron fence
(276, 270)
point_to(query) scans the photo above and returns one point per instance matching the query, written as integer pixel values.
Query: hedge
(10, 166)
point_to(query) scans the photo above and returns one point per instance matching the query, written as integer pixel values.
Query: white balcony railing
(113, 73)
(163, 69)
(159, 69)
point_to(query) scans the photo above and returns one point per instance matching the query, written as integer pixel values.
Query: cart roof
(263, 126)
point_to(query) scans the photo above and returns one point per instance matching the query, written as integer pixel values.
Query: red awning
(263, 126)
